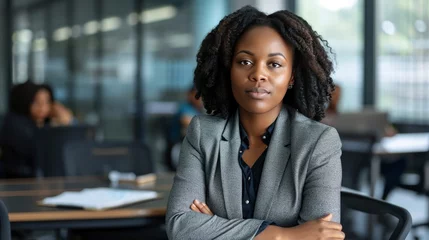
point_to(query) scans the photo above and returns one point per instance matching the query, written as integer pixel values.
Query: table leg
(374, 174)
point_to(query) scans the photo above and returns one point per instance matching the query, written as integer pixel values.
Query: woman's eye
(245, 62)
(275, 65)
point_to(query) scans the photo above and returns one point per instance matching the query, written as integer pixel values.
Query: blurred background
(124, 67)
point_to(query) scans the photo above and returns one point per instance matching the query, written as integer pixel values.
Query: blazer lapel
(275, 164)
(230, 170)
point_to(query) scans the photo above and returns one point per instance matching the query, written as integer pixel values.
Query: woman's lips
(258, 93)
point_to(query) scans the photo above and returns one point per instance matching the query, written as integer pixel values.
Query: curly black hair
(22, 96)
(312, 66)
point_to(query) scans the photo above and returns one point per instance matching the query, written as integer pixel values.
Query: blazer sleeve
(322, 187)
(189, 184)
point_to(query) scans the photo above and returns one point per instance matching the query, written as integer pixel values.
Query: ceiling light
(110, 24)
(91, 27)
(61, 34)
(158, 14)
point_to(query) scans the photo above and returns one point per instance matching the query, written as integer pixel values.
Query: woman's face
(261, 70)
(41, 106)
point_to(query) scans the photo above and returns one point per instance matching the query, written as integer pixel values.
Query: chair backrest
(99, 158)
(4, 223)
(357, 152)
(1, 120)
(367, 120)
(50, 145)
(366, 204)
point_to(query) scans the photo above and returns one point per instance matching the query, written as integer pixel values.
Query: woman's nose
(258, 73)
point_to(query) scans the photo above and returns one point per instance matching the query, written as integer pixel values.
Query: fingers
(327, 223)
(332, 225)
(207, 209)
(327, 217)
(203, 207)
(200, 207)
(195, 209)
(334, 234)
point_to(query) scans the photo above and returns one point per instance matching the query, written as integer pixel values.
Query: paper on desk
(99, 198)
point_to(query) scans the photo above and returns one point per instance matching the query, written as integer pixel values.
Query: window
(84, 60)
(340, 23)
(22, 38)
(117, 69)
(56, 67)
(403, 59)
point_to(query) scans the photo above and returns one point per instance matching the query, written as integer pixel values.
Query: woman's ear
(291, 82)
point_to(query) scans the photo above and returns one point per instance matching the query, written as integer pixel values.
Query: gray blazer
(301, 178)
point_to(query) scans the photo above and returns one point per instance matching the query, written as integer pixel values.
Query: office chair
(357, 152)
(99, 158)
(1, 120)
(422, 187)
(4, 223)
(354, 200)
(50, 146)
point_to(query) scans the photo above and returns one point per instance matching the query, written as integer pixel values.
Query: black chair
(50, 146)
(422, 186)
(1, 120)
(353, 200)
(99, 158)
(4, 223)
(357, 152)
(84, 158)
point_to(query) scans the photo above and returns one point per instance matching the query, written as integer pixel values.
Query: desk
(20, 197)
(402, 143)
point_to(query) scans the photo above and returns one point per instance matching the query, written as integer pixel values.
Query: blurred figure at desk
(180, 123)
(31, 106)
(391, 167)
(184, 115)
(332, 109)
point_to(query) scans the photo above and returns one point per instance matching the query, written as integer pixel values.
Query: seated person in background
(184, 115)
(31, 106)
(391, 167)
(180, 122)
(260, 166)
(332, 109)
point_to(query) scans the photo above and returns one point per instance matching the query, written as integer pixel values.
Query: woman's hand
(200, 207)
(60, 114)
(321, 228)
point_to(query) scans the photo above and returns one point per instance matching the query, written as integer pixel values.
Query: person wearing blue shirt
(184, 115)
(181, 120)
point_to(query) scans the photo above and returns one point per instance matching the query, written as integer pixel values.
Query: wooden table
(21, 195)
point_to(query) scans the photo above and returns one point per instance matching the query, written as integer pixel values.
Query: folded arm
(322, 188)
(189, 184)
(191, 219)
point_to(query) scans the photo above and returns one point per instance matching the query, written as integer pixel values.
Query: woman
(31, 107)
(260, 165)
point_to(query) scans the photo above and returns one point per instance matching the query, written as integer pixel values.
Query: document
(99, 198)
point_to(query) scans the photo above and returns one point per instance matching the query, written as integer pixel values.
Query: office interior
(124, 67)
